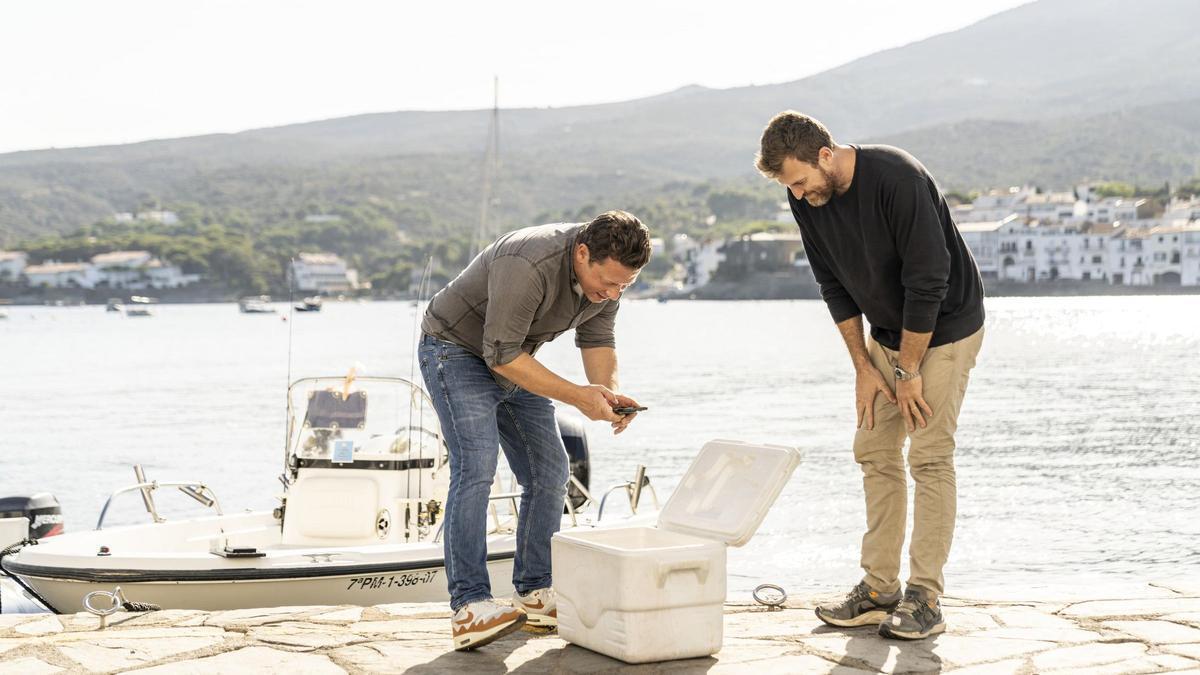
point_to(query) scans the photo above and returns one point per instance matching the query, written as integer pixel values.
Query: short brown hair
(619, 235)
(791, 134)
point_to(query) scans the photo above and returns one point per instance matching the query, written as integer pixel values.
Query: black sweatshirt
(888, 248)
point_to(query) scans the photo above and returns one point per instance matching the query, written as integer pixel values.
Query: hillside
(1050, 92)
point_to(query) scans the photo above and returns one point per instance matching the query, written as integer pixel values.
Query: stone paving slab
(1190, 651)
(28, 666)
(1157, 631)
(10, 620)
(1087, 656)
(43, 626)
(307, 636)
(1143, 632)
(250, 660)
(116, 652)
(1138, 607)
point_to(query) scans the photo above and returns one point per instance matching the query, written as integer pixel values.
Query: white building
(1049, 207)
(1182, 209)
(1055, 251)
(1070, 252)
(12, 263)
(1017, 259)
(138, 270)
(784, 214)
(1190, 265)
(322, 273)
(996, 205)
(983, 238)
(1127, 264)
(161, 217)
(121, 269)
(322, 218)
(54, 274)
(1155, 256)
(159, 274)
(1162, 254)
(1109, 210)
(700, 259)
(1092, 247)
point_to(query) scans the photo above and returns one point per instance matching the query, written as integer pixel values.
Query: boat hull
(173, 565)
(362, 587)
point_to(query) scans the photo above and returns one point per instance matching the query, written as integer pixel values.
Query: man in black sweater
(881, 243)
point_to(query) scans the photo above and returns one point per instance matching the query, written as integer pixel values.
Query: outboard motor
(42, 510)
(574, 437)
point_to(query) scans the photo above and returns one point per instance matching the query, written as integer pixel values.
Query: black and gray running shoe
(917, 617)
(862, 606)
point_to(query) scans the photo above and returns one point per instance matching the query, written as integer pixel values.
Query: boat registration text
(392, 581)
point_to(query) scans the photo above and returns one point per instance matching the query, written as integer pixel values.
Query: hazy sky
(88, 72)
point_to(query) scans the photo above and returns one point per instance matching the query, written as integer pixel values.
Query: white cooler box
(644, 594)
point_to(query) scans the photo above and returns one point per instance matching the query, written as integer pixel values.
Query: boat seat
(328, 409)
(331, 510)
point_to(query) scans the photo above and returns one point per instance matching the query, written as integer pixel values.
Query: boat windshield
(358, 421)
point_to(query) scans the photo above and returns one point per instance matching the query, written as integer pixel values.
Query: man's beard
(822, 197)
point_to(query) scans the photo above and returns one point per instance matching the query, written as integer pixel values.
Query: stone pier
(1139, 628)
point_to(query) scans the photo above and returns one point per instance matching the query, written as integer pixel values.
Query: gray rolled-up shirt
(518, 294)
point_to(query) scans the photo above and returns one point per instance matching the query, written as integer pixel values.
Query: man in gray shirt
(481, 333)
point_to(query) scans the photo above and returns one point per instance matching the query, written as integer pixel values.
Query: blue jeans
(477, 415)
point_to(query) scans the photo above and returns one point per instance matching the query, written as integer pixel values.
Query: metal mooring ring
(765, 599)
(116, 598)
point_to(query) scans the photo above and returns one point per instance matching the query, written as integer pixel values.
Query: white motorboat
(139, 305)
(359, 521)
(309, 304)
(258, 304)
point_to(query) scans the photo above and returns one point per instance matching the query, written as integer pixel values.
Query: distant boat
(114, 305)
(310, 304)
(139, 305)
(256, 304)
(3, 314)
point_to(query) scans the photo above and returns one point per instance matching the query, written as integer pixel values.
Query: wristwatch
(903, 375)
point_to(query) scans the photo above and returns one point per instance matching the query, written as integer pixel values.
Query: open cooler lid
(728, 490)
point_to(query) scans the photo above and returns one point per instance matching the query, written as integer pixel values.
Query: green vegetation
(247, 250)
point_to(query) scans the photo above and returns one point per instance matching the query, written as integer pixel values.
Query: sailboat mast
(491, 167)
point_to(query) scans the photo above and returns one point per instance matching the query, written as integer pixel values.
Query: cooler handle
(667, 569)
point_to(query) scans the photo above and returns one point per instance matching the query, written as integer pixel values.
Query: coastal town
(1022, 238)
(319, 273)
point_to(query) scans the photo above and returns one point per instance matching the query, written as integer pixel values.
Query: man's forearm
(852, 334)
(600, 366)
(529, 374)
(912, 349)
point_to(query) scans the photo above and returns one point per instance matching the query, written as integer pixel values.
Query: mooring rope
(11, 549)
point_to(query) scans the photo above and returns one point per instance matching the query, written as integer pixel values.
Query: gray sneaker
(862, 606)
(916, 617)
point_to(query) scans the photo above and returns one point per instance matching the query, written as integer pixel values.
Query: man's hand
(867, 384)
(596, 402)
(912, 402)
(624, 401)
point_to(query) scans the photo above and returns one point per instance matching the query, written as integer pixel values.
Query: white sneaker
(540, 605)
(478, 623)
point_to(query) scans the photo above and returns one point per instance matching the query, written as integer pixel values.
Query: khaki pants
(944, 373)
